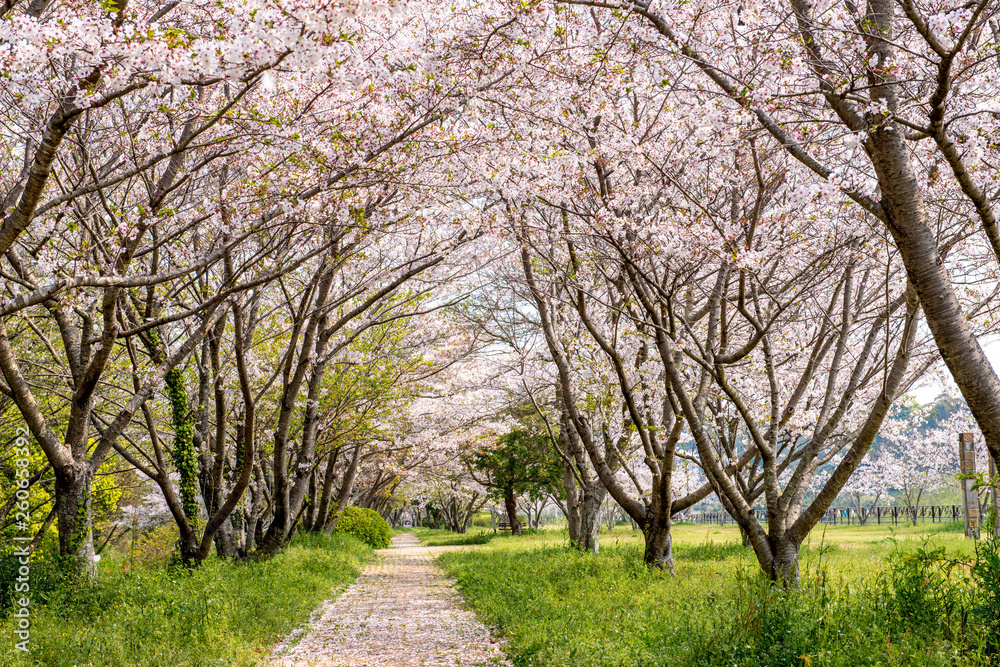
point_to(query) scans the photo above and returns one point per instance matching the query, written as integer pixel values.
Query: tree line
(246, 247)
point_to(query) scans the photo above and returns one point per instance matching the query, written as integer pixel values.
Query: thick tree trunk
(573, 500)
(75, 522)
(659, 545)
(227, 541)
(917, 245)
(588, 538)
(510, 504)
(785, 562)
(583, 498)
(906, 218)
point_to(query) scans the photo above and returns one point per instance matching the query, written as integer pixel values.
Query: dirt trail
(400, 612)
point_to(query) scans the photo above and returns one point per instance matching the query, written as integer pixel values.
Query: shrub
(366, 525)
(925, 594)
(986, 575)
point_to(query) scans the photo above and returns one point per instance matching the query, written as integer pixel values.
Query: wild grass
(223, 613)
(441, 538)
(856, 604)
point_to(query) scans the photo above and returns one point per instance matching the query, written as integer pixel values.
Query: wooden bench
(502, 526)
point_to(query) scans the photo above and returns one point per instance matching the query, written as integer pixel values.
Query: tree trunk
(573, 504)
(589, 517)
(583, 504)
(227, 541)
(510, 503)
(346, 489)
(75, 521)
(785, 562)
(905, 216)
(310, 517)
(659, 545)
(287, 494)
(329, 480)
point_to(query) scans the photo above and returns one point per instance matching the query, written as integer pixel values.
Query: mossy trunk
(227, 541)
(75, 520)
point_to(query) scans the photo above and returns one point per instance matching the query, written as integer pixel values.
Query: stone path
(400, 612)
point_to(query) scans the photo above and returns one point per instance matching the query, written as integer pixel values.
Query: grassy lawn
(870, 596)
(221, 614)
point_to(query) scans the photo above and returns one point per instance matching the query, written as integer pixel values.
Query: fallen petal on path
(401, 612)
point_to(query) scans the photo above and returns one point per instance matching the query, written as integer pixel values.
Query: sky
(931, 388)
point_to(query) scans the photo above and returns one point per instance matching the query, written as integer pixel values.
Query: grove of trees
(264, 260)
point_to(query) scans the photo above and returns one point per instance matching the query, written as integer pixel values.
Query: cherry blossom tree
(184, 152)
(870, 483)
(659, 202)
(910, 166)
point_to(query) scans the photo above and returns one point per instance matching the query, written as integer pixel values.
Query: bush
(924, 593)
(986, 575)
(366, 525)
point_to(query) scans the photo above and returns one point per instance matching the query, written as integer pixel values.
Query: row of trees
(214, 262)
(731, 229)
(244, 246)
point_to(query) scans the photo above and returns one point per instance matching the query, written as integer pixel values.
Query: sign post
(970, 499)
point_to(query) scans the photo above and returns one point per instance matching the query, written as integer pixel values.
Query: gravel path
(400, 612)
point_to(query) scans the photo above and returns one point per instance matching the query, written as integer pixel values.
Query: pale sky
(932, 388)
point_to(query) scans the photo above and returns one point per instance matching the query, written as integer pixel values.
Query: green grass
(440, 538)
(224, 613)
(856, 606)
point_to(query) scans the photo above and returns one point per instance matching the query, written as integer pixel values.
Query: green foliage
(21, 457)
(523, 461)
(930, 590)
(366, 525)
(157, 546)
(986, 575)
(183, 453)
(952, 597)
(557, 606)
(105, 492)
(224, 613)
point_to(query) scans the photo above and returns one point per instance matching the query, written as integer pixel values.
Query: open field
(869, 596)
